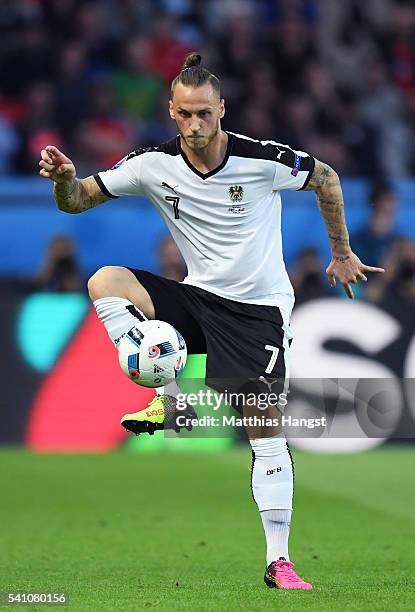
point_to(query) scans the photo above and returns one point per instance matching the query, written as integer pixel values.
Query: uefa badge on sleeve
(297, 164)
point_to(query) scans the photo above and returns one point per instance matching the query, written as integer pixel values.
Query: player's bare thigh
(116, 281)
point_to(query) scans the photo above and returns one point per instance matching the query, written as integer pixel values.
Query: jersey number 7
(175, 201)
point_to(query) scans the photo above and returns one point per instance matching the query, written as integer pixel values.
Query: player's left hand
(349, 270)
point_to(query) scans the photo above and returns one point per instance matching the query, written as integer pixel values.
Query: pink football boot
(281, 575)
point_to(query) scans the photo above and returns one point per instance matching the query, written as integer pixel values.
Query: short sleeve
(293, 169)
(125, 178)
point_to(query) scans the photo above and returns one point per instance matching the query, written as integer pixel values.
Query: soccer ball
(152, 353)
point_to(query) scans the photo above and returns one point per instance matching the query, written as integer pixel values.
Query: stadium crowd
(93, 77)
(336, 79)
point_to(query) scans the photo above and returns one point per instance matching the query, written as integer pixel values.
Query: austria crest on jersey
(236, 193)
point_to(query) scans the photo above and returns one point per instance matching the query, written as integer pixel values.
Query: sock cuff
(109, 307)
(269, 447)
(111, 301)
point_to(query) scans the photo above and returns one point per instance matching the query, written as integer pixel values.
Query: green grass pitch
(168, 531)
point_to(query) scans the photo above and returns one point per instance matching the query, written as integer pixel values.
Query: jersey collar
(215, 170)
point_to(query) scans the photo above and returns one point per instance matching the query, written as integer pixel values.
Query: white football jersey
(226, 223)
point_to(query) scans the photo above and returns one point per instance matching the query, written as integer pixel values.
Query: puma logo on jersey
(166, 186)
(280, 153)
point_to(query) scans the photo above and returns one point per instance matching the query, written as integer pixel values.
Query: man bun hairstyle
(193, 59)
(194, 75)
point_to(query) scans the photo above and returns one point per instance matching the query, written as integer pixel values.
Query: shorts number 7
(274, 350)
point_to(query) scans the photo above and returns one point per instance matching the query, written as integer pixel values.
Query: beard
(201, 142)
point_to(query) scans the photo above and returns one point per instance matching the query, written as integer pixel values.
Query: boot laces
(285, 568)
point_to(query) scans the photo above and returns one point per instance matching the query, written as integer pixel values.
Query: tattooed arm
(72, 195)
(345, 265)
(76, 196)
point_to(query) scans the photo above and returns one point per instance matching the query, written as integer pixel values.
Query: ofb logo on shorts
(236, 193)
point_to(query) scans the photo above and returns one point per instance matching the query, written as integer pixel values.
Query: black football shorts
(243, 343)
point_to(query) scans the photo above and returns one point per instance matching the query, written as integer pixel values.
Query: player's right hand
(55, 165)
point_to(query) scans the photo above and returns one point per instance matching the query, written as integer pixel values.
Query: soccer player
(219, 194)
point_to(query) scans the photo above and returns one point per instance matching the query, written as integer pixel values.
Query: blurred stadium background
(336, 79)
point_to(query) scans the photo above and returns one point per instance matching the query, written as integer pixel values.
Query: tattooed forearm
(66, 195)
(336, 239)
(76, 196)
(326, 183)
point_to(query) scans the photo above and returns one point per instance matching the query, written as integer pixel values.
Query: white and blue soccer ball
(152, 353)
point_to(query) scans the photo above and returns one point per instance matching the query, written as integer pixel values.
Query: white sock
(118, 315)
(272, 489)
(277, 530)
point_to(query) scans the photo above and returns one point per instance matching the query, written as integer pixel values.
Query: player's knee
(108, 281)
